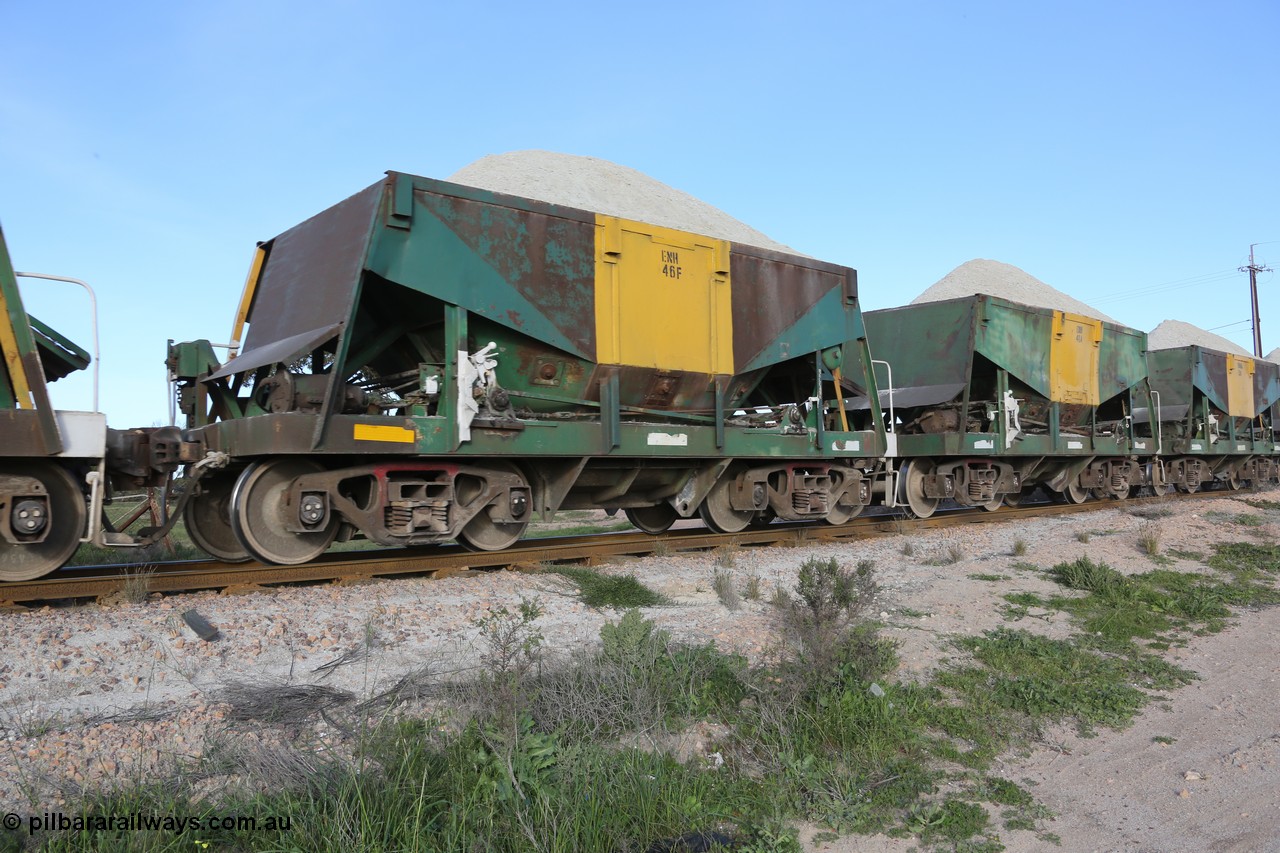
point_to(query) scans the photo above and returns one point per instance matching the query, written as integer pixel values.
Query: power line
(1177, 284)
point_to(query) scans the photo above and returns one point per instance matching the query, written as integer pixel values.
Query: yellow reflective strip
(377, 432)
(246, 299)
(12, 358)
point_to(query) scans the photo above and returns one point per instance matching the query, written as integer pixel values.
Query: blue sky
(1105, 148)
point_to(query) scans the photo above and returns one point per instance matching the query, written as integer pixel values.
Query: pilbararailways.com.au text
(139, 821)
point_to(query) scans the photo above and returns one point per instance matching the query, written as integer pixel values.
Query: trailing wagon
(991, 398)
(1215, 418)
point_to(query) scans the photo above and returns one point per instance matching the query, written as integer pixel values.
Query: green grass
(1244, 519)
(1120, 608)
(1064, 681)
(537, 532)
(558, 756)
(621, 592)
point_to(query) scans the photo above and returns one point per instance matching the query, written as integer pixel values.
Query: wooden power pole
(1253, 269)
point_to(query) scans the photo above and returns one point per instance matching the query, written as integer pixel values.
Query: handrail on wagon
(1159, 431)
(93, 309)
(889, 371)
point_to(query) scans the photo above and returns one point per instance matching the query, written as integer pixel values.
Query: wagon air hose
(213, 460)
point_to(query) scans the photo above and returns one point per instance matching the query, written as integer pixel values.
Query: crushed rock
(598, 185)
(1006, 282)
(103, 696)
(1172, 334)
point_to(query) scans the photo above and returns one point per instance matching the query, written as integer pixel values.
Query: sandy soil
(101, 695)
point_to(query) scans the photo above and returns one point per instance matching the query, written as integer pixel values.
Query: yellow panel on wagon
(1239, 386)
(1073, 359)
(663, 298)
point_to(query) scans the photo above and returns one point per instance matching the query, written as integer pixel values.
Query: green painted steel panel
(1180, 372)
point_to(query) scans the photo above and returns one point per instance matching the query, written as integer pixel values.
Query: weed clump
(722, 583)
(1149, 540)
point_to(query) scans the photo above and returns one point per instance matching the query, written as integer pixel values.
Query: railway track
(88, 582)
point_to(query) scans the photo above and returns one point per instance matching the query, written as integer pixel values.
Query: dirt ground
(102, 695)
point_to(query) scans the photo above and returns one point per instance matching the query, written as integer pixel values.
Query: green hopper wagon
(1216, 417)
(991, 398)
(425, 361)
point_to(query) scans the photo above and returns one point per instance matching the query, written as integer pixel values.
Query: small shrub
(511, 648)
(726, 556)
(722, 583)
(752, 592)
(1082, 536)
(632, 642)
(908, 549)
(1019, 547)
(828, 599)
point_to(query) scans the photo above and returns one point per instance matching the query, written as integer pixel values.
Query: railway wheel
(208, 520)
(1233, 482)
(994, 504)
(63, 515)
(911, 487)
(1074, 493)
(843, 510)
(1103, 494)
(260, 514)
(718, 514)
(653, 519)
(1016, 499)
(482, 533)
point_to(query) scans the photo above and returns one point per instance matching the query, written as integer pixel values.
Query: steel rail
(449, 560)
